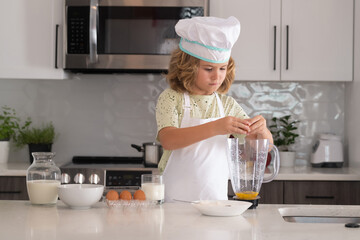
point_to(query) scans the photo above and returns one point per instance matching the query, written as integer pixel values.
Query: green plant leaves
(283, 133)
(41, 135)
(10, 123)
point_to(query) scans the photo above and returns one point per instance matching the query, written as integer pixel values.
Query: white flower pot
(4, 151)
(287, 159)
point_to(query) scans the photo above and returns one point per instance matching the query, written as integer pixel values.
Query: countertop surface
(21, 220)
(291, 173)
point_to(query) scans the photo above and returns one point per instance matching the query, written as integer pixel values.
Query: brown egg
(125, 195)
(112, 195)
(139, 195)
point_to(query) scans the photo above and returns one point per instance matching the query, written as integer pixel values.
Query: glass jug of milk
(42, 179)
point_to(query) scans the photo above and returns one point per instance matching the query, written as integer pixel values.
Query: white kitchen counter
(13, 168)
(300, 173)
(303, 173)
(21, 220)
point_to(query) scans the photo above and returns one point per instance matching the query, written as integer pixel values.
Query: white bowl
(80, 196)
(221, 208)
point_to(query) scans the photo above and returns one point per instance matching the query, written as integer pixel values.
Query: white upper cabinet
(291, 40)
(28, 39)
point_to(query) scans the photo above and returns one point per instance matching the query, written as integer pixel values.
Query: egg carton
(130, 203)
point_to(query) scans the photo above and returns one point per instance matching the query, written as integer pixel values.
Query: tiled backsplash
(318, 106)
(104, 114)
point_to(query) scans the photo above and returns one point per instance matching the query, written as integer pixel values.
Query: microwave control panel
(78, 30)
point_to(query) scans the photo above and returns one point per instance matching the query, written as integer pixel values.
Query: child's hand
(257, 125)
(231, 125)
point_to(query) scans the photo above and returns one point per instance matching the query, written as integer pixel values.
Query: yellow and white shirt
(169, 112)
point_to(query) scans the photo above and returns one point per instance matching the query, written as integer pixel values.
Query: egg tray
(130, 203)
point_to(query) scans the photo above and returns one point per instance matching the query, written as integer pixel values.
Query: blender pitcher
(247, 163)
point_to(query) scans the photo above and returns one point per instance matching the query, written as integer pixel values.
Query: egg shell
(139, 195)
(125, 195)
(112, 195)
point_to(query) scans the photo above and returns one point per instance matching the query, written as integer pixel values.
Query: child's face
(209, 78)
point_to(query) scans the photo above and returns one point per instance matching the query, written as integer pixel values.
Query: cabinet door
(272, 192)
(322, 192)
(28, 39)
(317, 40)
(257, 51)
(13, 188)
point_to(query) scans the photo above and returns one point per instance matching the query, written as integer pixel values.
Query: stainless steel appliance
(119, 35)
(113, 172)
(327, 151)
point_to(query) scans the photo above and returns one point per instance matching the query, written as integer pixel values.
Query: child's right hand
(231, 125)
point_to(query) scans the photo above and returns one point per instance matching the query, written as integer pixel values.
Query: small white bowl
(80, 196)
(221, 208)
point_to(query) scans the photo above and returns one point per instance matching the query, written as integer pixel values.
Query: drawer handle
(320, 197)
(10, 192)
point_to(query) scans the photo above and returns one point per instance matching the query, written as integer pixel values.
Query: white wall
(353, 99)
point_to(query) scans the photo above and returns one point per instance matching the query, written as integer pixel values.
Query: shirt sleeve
(233, 108)
(167, 109)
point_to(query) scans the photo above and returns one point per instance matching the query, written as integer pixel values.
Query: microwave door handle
(94, 16)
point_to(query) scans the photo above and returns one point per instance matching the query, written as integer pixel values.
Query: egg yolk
(247, 195)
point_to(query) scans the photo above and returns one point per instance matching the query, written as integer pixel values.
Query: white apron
(199, 171)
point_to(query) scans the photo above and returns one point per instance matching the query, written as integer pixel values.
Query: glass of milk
(42, 179)
(153, 187)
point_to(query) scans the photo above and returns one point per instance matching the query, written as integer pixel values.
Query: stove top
(106, 160)
(106, 170)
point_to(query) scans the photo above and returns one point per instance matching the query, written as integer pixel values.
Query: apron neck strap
(187, 105)
(220, 106)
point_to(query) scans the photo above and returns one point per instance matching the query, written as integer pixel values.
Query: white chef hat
(208, 38)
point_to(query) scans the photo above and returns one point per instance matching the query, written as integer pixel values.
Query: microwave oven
(123, 35)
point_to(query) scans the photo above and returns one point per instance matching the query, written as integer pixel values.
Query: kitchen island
(21, 220)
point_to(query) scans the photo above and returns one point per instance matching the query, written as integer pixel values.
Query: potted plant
(39, 139)
(284, 135)
(9, 125)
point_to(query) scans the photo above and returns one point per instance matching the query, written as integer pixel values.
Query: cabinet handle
(56, 45)
(274, 48)
(320, 197)
(287, 47)
(10, 192)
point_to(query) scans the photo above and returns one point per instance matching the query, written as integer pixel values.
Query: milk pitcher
(42, 179)
(247, 163)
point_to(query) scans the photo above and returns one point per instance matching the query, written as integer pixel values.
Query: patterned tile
(104, 114)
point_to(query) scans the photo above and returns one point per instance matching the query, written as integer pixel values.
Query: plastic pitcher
(247, 163)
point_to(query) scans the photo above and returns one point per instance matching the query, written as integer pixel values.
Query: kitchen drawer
(322, 192)
(272, 192)
(13, 188)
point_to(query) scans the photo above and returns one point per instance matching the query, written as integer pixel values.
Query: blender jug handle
(276, 165)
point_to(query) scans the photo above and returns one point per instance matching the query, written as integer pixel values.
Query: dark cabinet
(13, 188)
(272, 192)
(322, 192)
(309, 192)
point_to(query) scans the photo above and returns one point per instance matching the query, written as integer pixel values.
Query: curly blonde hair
(183, 69)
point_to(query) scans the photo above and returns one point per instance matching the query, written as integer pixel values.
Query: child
(194, 117)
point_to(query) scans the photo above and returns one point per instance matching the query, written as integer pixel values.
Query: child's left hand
(258, 127)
